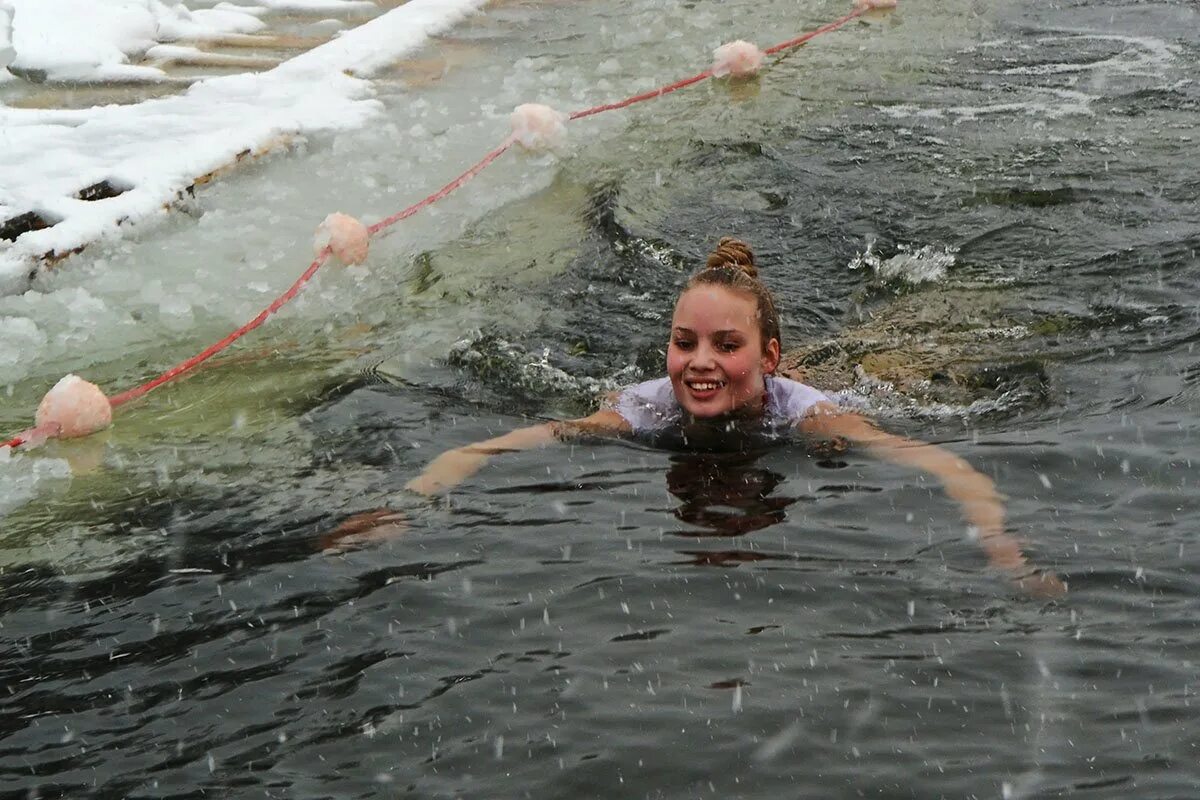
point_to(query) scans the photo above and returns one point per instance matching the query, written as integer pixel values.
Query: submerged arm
(975, 493)
(454, 466)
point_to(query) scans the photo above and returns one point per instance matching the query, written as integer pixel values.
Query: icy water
(1015, 183)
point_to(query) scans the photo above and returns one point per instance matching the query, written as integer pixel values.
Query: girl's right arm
(454, 466)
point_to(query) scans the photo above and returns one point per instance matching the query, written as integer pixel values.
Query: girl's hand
(369, 526)
(1004, 553)
(1041, 584)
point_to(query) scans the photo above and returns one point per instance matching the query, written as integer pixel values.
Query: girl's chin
(700, 404)
(711, 404)
(710, 408)
(719, 406)
(704, 399)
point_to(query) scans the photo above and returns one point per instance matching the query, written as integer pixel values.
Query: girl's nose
(703, 356)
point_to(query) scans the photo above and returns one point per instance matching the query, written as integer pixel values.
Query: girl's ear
(770, 358)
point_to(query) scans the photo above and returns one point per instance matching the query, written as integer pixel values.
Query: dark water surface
(610, 620)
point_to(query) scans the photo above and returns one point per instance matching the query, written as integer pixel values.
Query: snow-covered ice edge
(155, 150)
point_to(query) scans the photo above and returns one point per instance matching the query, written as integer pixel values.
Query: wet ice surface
(606, 615)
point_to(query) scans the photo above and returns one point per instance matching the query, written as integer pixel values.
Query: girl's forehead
(715, 306)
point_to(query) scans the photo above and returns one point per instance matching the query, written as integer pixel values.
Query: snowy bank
(67, 40)
(138, 159)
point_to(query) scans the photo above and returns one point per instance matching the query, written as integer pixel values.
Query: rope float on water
(75, 408)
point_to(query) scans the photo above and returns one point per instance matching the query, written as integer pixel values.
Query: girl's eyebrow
(690, 332)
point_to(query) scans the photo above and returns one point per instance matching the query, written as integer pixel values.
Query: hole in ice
(13, 227)
(102, 190)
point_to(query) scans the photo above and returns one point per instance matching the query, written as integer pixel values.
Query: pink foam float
(537, 127)
(737, 59)
(347, 238)
(71, 409)
(74, 407)
(870, 5)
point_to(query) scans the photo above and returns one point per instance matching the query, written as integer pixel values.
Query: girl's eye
(728, 347)
(684, 344)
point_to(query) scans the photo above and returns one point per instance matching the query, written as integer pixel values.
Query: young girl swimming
(721, 387)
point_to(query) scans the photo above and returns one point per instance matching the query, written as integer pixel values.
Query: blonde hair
(731, 264)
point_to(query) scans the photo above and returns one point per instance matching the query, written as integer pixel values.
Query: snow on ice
(151, 151)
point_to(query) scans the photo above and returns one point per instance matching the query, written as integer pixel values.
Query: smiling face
(716, 358)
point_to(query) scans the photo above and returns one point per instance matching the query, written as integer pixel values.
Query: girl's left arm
(975, 493)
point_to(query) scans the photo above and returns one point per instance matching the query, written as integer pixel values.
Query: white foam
(926, 264)
(871, 395)
(534, 372)
(1142, 56)
(1064, 103)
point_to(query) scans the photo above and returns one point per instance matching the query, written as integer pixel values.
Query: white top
(651, 406)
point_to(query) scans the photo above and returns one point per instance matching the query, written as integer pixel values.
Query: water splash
(877, 397)
(509, 367)
(912, 267)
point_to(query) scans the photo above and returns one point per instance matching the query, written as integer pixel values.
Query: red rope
(39, 433)
(212, 350)
(826, 28)
(680, 84)
(323, 256)
(445, 190)
(637, 98)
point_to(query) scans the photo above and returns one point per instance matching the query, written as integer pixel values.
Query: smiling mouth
(704, 386)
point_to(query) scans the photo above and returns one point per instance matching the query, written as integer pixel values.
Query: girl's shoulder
(792, 400)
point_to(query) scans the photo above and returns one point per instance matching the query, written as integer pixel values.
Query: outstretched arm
(975, 493)
(454, 466)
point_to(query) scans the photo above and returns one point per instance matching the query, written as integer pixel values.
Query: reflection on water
(566, 625)
(725, 496)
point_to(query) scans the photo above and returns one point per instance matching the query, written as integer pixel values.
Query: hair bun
(733, 254)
